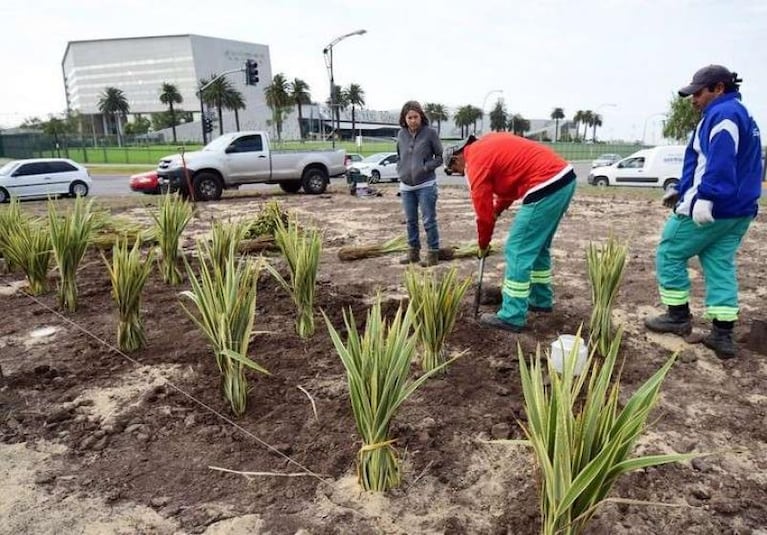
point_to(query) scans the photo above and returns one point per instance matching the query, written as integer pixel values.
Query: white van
(655, 167)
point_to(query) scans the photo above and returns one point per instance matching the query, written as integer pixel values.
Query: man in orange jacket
(502, 168)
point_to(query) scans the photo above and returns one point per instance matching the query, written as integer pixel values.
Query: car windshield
(375, 158)
(220, 143)
(6, 169)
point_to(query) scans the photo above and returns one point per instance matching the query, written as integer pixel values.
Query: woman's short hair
(412, 105)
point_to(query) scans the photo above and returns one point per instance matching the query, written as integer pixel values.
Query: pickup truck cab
(238, 158)
(655, 167)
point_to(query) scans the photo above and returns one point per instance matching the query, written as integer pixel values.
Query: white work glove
(670, 198)
(701, 212)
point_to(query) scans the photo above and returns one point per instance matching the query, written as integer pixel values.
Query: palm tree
(215, 95)
(518, 124)
(596, 120)
(557, 114)
(278, 100)
(463, 117)
(169, 95)
(577, 120)
(436, 113)
(476, 114)
(498, 117)
(587, 119)
(114, 104)
(234, 101)
(355, 96)
(299, 94)
(339, 103)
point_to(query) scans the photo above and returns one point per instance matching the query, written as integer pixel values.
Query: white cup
(562, 349)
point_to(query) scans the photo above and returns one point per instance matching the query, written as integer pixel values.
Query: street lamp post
(484, 104)
(328, 52)
(644, 130)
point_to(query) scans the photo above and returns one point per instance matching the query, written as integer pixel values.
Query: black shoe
(670, 323)
(536, 308)
(720, 340)
(491, 320)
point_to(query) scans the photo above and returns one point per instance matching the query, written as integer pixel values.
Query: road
(117, 185)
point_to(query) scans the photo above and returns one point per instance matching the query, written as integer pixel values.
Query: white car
(380, 166)
(605, 159)
(43, 177)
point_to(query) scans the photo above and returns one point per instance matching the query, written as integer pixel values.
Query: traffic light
(207, 123)
(251, 72)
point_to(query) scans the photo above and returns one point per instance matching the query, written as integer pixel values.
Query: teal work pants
(715, 245)
(528, 257)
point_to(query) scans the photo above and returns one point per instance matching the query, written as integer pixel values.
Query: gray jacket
(419, 155)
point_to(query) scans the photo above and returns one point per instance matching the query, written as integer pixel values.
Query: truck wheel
(207, 187)
(601, 182)
(670, 183)
(291, 187)
(315, 181)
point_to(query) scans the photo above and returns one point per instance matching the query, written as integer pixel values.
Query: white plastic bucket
(562, 349)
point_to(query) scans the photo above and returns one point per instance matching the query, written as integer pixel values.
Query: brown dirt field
(94, 442)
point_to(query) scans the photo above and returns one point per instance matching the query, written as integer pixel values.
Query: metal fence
(138, 152)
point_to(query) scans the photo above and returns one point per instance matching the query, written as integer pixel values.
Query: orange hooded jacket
(502, 168)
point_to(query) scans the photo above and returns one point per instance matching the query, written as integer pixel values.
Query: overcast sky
(624, 58)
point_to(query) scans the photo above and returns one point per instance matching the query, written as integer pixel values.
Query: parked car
(43, 177)
(238, 158)
(380, 166)
(655, 167)
(352, 158)
(146, 182)
(605, 159)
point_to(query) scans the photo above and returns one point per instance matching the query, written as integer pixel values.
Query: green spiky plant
(605, 266)
(301, 249)
(10, 218)
(70, 237)
(583, 446)
(224, 297)
(172, 217)
(377, 364)
(129, 273)
(222, 237)
(267, 220)
(28, 246)
(435, 302)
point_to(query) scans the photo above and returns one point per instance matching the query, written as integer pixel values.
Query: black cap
(707, 76)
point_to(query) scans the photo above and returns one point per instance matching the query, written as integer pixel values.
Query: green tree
(339, 103)
(354, 96)
(498, 117)
(463, 118)
(519, 125)
(476, 114)
(578, 119)
(299, 94)
(586, 120)
(278, 99)
(596, 120)
(215, 95)
(163, 119)
(681, 119)
(114, 105)
(436, 114)
(557, 114)
(170, 95)
(140, 125)
(58, 129)
(234, 101)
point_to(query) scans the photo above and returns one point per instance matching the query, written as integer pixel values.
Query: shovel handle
(478, 294)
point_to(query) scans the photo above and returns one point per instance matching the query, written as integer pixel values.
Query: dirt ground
(95, 442)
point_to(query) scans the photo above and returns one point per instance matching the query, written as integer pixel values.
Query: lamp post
(328, 52)
(644, 130)
(484, 103)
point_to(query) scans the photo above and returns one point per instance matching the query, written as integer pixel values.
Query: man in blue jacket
(717, 200)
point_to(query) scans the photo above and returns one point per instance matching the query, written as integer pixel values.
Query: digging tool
(478, 295)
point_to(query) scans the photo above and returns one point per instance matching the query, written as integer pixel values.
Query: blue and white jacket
(723, 161)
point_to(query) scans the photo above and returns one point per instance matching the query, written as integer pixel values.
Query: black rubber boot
(676, 321)
(720, 340)
(493, 321)
(413, 256)
(432, 258)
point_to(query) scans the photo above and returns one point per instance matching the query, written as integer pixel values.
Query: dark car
(145, 183)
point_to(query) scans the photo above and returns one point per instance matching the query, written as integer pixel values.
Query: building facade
(140, 65)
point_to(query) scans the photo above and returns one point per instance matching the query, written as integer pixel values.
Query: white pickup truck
(241, 158)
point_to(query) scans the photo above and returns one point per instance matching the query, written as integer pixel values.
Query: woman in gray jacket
(420, 153)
